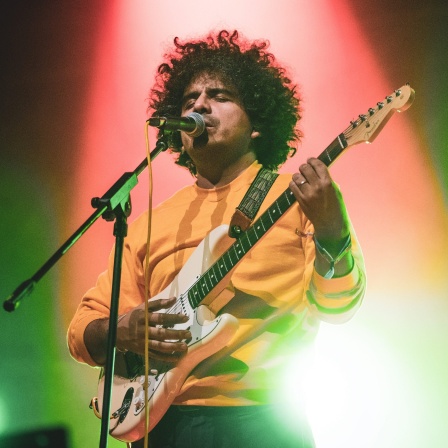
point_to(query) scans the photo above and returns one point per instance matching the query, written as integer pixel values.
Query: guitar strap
(251, 202)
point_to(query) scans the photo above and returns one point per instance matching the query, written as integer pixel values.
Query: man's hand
(165, 343)
(321, 201)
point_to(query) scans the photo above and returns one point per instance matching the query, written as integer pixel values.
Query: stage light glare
(348, 386)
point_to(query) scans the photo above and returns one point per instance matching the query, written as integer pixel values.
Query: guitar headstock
(368, 126)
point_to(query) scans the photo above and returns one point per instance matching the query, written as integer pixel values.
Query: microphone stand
(115, 204)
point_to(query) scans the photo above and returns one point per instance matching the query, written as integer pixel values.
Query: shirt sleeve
(336, 300)
(96, 302)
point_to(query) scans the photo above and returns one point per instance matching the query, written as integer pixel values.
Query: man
(280, 290)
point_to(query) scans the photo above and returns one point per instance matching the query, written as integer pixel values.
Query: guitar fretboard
(232, 256)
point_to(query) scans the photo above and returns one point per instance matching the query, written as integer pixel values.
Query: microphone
(193, 124)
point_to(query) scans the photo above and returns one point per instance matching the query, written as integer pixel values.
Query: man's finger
(164, 334)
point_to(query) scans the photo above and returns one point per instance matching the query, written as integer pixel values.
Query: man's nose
(202, 104)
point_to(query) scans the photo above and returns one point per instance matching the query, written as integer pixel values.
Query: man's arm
(338, 283)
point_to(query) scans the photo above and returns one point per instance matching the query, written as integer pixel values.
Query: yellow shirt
(278, 300)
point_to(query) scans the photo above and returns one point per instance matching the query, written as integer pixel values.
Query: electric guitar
(205, 275)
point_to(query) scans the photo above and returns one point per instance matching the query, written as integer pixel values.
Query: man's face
(229, 132)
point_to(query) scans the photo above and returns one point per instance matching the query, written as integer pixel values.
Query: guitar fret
(263, 226)
(278, 208)
(201, 284)
(194, 297)
(329, 155)
(216, 275)
(289, 196)
(219, 265)
(239, 250)
(233, 256)
(224, 264)
(229, 259)
(209, 278)
(247, 235)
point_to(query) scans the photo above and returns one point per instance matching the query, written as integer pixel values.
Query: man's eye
(188, 104)
(221, 98)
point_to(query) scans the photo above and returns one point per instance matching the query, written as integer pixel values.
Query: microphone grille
(200, 124)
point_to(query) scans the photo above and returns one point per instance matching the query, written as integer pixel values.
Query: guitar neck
(334, 150)
(232, 256)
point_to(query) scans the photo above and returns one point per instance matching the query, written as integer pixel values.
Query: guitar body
(209, 335)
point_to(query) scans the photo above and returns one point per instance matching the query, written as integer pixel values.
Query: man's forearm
(95, 340)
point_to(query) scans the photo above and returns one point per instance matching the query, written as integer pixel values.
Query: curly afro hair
(268, 97)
